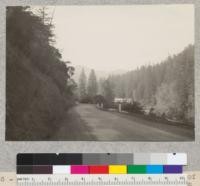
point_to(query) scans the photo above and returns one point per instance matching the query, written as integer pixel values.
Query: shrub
(134, 107)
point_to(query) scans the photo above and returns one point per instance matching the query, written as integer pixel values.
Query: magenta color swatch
(79, 169)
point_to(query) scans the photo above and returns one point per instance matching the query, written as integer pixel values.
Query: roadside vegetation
(39, 88)
(164, 91)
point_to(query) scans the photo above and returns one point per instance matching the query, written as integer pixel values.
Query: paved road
(105, 125)
(90, 123)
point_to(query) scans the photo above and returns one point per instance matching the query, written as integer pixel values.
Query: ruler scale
(102, 180)
(10, 179)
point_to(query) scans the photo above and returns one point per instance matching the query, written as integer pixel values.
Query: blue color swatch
(154, 169)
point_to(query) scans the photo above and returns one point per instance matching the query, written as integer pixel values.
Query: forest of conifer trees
(44, 100)
(39, 89)
(166, 88)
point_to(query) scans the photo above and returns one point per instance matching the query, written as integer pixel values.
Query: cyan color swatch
(154, 169)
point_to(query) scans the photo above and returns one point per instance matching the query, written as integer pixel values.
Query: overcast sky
(122, 37)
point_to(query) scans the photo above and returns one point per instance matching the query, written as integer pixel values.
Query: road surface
(86, 122)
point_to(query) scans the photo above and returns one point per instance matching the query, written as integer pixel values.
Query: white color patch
(61, 169)
(177, 159)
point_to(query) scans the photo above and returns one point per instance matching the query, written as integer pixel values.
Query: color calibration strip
(103, 159)
(100, 169)
(139, 163)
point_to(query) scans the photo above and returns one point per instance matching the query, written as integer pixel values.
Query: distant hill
(99, 73)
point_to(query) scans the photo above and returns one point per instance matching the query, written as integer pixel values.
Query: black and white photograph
(100, 73)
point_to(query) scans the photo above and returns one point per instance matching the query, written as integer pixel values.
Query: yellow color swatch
(117, 169)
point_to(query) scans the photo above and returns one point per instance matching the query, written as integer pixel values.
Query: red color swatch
(98, 169)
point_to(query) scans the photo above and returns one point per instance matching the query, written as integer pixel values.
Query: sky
(122, 37)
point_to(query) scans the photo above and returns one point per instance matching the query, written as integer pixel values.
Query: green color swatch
(136, 169)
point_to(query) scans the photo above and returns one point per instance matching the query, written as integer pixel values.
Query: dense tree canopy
(82, 85)
(38, 85)
(168, 86)
(108, 91)
(92, 87)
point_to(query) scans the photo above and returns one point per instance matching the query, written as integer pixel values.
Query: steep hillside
(37, 90)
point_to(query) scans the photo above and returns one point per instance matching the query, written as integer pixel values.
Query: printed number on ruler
(8, 179)
(102, 180)
(193, 178)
